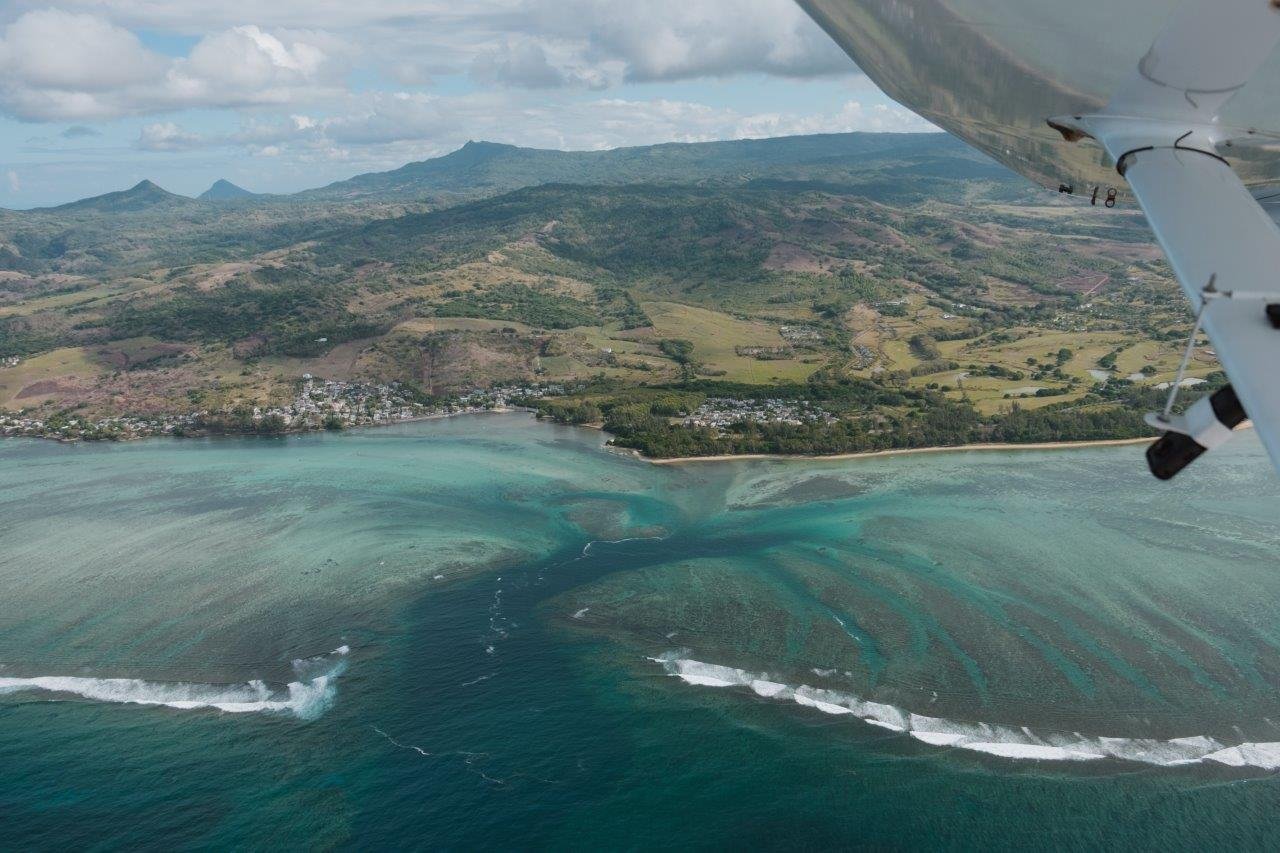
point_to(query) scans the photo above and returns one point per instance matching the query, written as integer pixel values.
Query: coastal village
(721, 413)
(320, 404)
(326, 404)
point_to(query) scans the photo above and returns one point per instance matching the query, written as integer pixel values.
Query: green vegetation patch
(292, 313)
(521, 304)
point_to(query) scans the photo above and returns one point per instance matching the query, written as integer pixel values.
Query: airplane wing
(1166, 124)
(1206, 53)
(1212, 229)
(1163, 133)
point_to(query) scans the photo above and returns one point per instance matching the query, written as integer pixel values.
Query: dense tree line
(871, 417)
(238, 421)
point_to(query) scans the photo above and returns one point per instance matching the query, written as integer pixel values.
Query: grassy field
(430, 325)
(716, 336)
(47, 377)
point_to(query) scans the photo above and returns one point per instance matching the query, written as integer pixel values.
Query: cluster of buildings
(801, 335)
(329, 404)
(322, 401)
(10, 361)
(723, 412)
(863, 356)
(325, 403)
(319, 404)
(507, 396)
(74, 427)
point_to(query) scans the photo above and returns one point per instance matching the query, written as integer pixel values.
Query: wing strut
(1162, 131)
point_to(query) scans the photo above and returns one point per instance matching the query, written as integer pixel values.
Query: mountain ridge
(143, 195)
(481, 168)
(224, 190)
(499, 167)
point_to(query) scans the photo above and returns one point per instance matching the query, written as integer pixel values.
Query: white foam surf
(1010, 742)
(306, 698)
(586, 549)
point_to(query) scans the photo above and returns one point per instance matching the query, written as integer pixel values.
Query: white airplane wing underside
(1162, 130)
(1212, 229)
(1169, 88)
(1206, 53)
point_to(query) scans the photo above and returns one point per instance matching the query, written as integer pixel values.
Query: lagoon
(493, 631)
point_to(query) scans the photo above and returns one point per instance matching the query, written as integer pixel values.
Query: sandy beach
(904, 451)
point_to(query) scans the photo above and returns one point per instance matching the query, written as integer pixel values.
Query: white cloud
(609, 123)
(15, 182)
(394, 118)
(196, 16)
(58, 50)
(167, 136)
(57, 66)
(247, 58)
(682, 39)
(531, 64)
(372, 84)
(253, 52)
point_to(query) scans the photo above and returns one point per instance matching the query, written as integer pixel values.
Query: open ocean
(492, 632)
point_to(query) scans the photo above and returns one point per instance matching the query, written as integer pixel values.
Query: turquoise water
(492, 632)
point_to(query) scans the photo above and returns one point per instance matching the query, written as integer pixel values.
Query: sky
(283, 95)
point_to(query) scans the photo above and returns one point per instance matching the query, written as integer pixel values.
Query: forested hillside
(954, 299)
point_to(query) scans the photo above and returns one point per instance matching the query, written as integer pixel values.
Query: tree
(925, 347)
(678, 349)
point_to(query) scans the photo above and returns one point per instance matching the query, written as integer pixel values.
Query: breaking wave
(306, 698)
(999, 740)
(586, 549)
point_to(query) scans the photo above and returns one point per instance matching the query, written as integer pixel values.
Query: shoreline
(900, 451)
(123, 439)
(678, 460)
